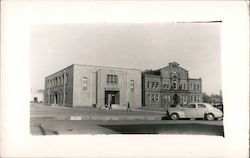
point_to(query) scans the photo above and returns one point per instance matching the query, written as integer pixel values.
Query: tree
(206, 98)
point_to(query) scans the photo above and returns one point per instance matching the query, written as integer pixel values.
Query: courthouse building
(161, 87)
(85, 86)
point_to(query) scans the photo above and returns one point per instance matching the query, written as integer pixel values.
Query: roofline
(108, 67)
(151, 75)
(59, 70)
(90, 66)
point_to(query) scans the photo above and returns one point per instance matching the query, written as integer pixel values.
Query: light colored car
(195, 110)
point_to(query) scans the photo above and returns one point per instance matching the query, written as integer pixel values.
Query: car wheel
(175, 116)
(210, 117)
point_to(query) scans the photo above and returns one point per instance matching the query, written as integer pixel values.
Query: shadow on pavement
(193, 129)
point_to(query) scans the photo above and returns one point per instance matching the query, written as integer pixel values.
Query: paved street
(47, 120)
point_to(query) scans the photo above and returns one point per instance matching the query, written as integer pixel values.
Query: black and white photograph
(104, 78)
(127, 79)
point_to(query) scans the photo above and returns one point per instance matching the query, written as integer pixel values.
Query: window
(62, 80)
(167, 98)
(115, 79)
(194, 86)
(201, 106)
(191, 106)
(164, 85)
(112, 79)
(59, 81)
(148, 84)
(65, 97)
(149, 97)
(66, 79)
(48, 84)
(84, 84)
(174, 85)
(157, 97)
(153, 84)
(156, 84)
(132, 86)
(152, 97)
(56, 82)
(198, 87)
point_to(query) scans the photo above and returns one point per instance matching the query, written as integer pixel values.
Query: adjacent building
(37, 95)
(163, 86)
(85, 86)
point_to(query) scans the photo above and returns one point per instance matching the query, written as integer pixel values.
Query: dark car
(220, 106)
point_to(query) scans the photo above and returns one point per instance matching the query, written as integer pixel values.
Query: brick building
(161, 87)
(85, 86)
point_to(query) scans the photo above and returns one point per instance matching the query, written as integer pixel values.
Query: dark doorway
(35, 99)
(112, 97)
(176, 99)
(55, 99)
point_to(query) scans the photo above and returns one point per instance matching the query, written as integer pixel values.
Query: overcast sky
(195, 46)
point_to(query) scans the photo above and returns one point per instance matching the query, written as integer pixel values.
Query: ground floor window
(153, 97)
(166, 98)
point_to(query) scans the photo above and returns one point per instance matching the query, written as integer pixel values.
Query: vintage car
(195, 110)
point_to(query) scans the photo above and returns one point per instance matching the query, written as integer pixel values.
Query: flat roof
(96, 66)
(99, 66)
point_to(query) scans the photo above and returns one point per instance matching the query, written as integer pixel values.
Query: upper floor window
(84, 84)
(156, 84)
(56, 82)
(66, 79)
(165, 85)
(174, 66)
(132, 86)
(112, 79)
(198, 87)
(59, 81)
(174, 84)
(152, 84)
(148, 84)
(62, 80)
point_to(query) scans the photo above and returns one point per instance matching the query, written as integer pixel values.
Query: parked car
(195, 110)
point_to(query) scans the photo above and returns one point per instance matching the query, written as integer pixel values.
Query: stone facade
(85, 86)
(162, 86)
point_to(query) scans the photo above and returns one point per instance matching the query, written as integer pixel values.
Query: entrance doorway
(112, 97)
(55, 99)
(176, 99)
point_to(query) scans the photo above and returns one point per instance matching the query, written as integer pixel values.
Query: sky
(195, 46)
